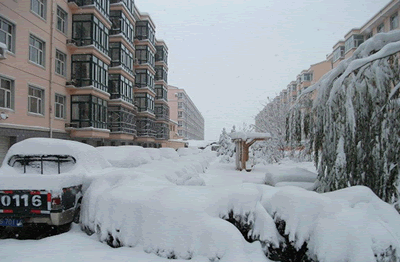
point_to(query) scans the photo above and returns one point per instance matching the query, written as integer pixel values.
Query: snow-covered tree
(226, 147)
(354, 121)
(272, 120)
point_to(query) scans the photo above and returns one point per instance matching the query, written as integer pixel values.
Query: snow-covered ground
(175, 204)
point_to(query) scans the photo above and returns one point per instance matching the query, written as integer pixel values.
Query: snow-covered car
(41, 181)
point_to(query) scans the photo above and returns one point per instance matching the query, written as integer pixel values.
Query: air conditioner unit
(3, 51)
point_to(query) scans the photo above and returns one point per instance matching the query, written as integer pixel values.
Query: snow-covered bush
(354, 120)
(290, 223)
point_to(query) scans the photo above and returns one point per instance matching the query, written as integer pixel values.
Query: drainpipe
(51, 69)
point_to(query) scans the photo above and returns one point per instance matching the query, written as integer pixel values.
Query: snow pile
(126, 156)
(283, 176)
(169, 153)
(188, 151)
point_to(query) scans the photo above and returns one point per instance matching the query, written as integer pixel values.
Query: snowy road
(77, 246)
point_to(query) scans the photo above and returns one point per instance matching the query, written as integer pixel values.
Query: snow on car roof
(83, 153)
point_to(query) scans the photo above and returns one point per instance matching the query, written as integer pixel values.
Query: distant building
(385, 20)
(185, 113)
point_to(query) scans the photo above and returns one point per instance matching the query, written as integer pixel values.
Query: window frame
(41, 53)
(41, 3)
(9, 36)
(11, 92)
(64, 28)
(40, 100)
(380, 28)
(63, 106)
(63, 63)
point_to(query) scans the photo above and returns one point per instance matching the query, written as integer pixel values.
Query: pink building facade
(91, 71)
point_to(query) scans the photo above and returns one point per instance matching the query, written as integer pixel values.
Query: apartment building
(385, 20)
(185, 113)
(88, 70)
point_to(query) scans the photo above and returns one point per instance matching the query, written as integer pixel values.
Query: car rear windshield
(42, 164)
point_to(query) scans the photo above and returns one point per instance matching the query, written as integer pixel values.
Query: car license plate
(11, 222)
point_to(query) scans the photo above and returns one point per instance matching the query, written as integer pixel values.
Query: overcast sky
(231, 55)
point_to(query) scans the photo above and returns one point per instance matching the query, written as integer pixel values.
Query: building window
(368, 36)
(39, 7)
(35, 100)
(144, 55)
(337, 54)
(144, 102)
(89, 111)
(7, 34)
(307, 77)
(180, 105)
(394, 21)
(88, 70)
(354, 41)
(36, 50)
(121, 56)
(121, 25)
(59, 106)
(180, 123)
(380, 28)
(62, 20)
(6, 92)
(180, 132)
(144, 79)
(120, 87)
(180, 114)
(61, 60)
(88, 30)
(144, 31)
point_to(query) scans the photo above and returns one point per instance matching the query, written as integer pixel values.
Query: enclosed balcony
(88, 30)
(161, 54)
(144, 31)
(162, 131)
(129, 4)
(145, 127)
(120, 88)
(162, 112)
(102, 5)
(88, 111)
(161, 93)
(144, 102)
(121, 120)
(144, 55)
(121, 25)
(161, 74)
(121, 56)
(89, 70)
(144, 79)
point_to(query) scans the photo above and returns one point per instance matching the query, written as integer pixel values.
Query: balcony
(145, 127)
(162, 112)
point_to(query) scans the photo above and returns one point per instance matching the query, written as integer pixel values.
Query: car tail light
(56, 201)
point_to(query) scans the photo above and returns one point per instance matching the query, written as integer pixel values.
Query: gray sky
(231, 55)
